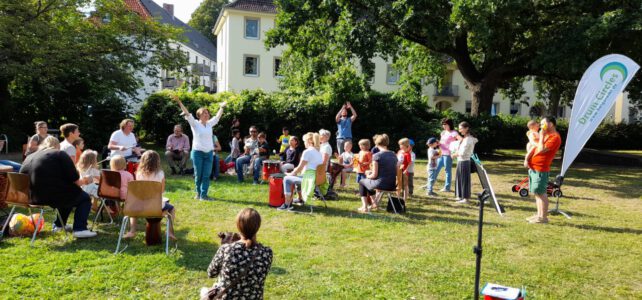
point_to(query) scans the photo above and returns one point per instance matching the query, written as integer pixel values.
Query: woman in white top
(202, 145)
(123, 142)
(463, 154)
(325, 148)
(311, 159)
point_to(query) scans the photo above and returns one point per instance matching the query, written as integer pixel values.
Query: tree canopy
(492, 42)
(76, 61)
(204, 17)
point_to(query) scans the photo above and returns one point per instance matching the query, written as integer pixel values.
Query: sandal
(129, 235)
(363, 210)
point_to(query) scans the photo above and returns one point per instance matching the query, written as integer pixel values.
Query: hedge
(377, 113)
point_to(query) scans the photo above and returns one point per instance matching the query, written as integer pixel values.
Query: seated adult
(123, 142)
(37, 139)
(55, 182)
(292, 155)
(311, 159)
(251, 151)
(177, 150)
(8, 163)
(241, 266)
(382, 175)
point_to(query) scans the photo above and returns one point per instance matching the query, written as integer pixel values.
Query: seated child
(532, 134)
(347, 161)
(87, 167)
(149, 169)
(119, 164)
(79, 143)
(292, 155)
(364, 159)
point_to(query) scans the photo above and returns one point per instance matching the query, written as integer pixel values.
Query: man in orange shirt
(538, 161)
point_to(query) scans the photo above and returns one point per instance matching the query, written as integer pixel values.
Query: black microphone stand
(483, 196)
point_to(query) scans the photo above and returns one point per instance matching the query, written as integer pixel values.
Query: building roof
(195, 40)
(266, 6)
(138, 8)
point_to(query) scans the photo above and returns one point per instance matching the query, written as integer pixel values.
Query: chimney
(169, 8)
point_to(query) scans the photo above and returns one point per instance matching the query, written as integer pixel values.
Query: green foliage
(549, 39)
(60, 65)
(204, 17)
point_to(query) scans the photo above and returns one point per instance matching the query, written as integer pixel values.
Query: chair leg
(57, 214)
(123, 226)
(36, 224)
(6, 222)
(391, 203)
(99, 212)
(170, 222)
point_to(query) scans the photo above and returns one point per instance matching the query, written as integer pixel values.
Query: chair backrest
(18, 192)
(109, 186)
(144, 199)
(320, 175)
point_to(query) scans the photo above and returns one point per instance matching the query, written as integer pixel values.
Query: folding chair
(320, 179)
(398, 190)
(144, 200)
(108, 189)
(19, 195)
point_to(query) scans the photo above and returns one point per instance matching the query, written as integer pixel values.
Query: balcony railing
(448, 91)
(169, 83)
(200, 69)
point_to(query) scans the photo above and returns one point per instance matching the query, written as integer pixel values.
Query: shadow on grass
(601, 228)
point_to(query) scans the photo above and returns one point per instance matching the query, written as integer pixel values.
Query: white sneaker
(68, 228)
(462, 201)
(84, 234)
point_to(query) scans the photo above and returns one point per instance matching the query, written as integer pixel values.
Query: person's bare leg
(132, 229)
(544, 200)
(538, 203)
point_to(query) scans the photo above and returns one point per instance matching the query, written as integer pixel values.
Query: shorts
(537, 182)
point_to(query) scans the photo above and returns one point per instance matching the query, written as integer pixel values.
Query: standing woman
(202, 145)
(448, 135)
(463, 153)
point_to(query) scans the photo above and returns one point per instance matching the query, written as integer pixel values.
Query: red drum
(277, 197)
(132, 167)
(270, 167)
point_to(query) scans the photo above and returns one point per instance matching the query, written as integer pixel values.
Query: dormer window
(252, 28)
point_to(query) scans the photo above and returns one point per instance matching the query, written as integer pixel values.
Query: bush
(377, 113)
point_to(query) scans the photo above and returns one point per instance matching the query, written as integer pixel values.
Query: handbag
(396, 204)
(216, 294)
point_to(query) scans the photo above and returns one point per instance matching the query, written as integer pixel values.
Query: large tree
(204, 17)
(492, 42)
(76, 61)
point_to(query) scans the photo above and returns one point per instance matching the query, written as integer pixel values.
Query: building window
(561, 112)
(250, 65)
(277, 67)
(515, 108)
(252, 28)
(494, 109)
(469, 106)
(392, 75)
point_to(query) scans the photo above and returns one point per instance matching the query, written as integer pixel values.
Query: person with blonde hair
(150, 169)
(382, 175)
(202, 145)
(55, 182)
(241, 266)
(87, 167)
(311, 159)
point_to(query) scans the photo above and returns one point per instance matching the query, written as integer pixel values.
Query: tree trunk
(554, 101)
(482, 94)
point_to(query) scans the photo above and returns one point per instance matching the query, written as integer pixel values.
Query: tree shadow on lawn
(600, 228)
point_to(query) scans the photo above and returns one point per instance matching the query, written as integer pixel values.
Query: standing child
(119, 164)
(284, 140)
(87, 167)
(433, 157)
(532, 134)
(405, 158)
(235, 148)
(150, 169)
(411, 169)
(347, 161)
(364, 159)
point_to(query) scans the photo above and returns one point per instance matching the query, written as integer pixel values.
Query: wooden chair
(144, 200)
(398, 190)
(19, 195)
(108, 189)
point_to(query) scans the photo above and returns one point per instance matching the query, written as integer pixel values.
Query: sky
(183, 9)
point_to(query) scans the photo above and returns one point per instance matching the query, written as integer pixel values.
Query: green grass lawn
(339, 254)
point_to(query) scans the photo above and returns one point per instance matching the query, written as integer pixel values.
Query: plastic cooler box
(277, 197)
